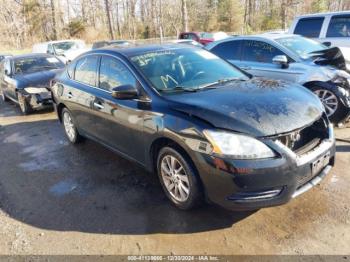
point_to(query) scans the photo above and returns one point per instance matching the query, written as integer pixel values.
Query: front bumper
(254, 184)
(40, 100)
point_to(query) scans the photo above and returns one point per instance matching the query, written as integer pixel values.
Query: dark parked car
(208, 129)
(25, 79)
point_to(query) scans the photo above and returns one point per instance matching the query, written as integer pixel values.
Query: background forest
(23, 22)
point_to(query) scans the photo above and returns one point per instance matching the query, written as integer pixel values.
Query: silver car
(293, 58)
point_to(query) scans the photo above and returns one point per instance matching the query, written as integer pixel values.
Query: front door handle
(246, 67)
(70, 95)
(98, 105)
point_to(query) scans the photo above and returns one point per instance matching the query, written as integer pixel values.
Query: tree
(184, 15)
(108, 15)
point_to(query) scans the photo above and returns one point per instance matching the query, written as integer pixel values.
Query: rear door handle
(70, 95)
(98, 105)
(246, 67)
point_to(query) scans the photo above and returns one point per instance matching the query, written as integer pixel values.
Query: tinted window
(258, 51)
(228, 50)
(339, 26)
(113, 73)
(309, 27)
(85, 70)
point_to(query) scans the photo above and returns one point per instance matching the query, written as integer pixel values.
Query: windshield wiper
(178, 88)
(220, 81)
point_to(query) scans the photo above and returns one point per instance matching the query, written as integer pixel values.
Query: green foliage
(230, 15)
(319, 6)
(270, 22)
(76, 27)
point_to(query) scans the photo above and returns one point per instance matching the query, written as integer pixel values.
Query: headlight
(36, 90)
(237, 146)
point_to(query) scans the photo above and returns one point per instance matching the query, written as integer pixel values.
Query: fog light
(248, 196)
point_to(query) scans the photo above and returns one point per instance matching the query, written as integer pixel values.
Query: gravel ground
(56, 198)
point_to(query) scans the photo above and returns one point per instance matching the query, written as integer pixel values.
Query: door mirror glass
(328, 44)
(125, 92)
(280, 60)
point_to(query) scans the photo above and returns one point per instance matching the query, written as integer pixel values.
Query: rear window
(339, 26)
(309, 27)
(229, 50)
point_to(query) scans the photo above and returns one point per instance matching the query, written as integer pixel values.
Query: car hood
(257, 107)
(331, 56)
(37, 79)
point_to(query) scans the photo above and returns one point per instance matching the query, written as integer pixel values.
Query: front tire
(178, 179)
(69, 127)
(23, 104)
(335, 109)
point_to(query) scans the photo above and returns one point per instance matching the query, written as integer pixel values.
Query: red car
(203, 37)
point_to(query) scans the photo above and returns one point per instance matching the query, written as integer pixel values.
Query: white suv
(325, 27)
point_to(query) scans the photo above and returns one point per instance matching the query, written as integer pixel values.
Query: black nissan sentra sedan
(209, 130)
(25, 79)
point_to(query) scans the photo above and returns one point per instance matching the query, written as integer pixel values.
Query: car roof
(30, 55)
(324, 14)
(138, 50)
(270, 36)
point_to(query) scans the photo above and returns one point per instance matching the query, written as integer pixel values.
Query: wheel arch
(60, 107)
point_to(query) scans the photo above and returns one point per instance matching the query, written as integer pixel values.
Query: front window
(258, 51)
(36, 64)
(301, 46)
(185, 69)
(62, 47)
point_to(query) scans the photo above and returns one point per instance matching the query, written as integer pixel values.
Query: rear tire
(332, 101)
(69, 127)
(179, 179)
(23, 104)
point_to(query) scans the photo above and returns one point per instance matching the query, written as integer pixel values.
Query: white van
(66, 50)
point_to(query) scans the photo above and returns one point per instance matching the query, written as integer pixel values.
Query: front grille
(304, 140)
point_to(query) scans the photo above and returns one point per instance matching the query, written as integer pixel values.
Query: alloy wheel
(69, 126)
(175, 178)
(329, 100)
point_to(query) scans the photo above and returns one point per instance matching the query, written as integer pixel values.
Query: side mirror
(280, 60)
(328, 44)
(125, 92)
(7, 72)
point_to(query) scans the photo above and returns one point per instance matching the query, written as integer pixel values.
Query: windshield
(301, 46)
(185, 69)
(64, 46)
(36, 64)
